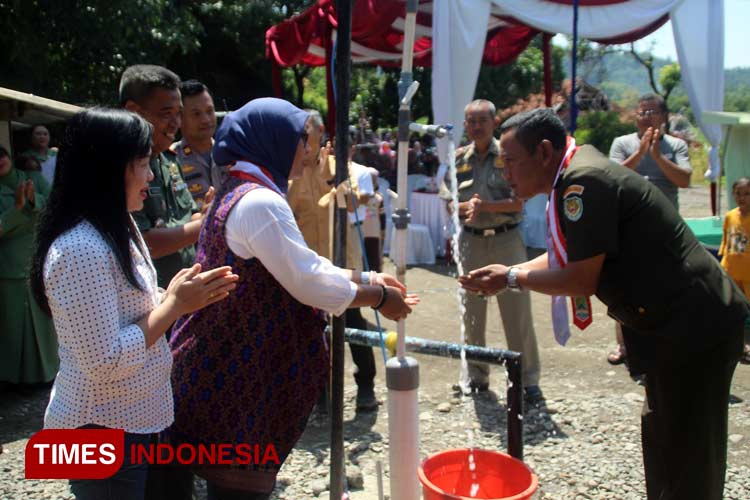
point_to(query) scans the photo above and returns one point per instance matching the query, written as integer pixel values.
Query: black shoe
(366, 400)
(532, 395)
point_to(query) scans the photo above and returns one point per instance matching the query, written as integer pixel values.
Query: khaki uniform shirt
(313, 220)
(656, 278)
(484, 176)
(168, 204)
(200, 171)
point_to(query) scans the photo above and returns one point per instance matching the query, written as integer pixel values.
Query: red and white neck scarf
(557, 256)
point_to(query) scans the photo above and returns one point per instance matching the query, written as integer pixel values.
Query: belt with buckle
(490, 231)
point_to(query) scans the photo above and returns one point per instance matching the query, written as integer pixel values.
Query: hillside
(623, 79)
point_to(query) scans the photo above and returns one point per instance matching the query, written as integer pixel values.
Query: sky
(736, 41)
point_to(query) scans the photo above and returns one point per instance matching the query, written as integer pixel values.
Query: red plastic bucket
(448, 475)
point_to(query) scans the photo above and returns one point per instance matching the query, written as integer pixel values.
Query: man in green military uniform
(614, 234)
(168, 221)
(491, 215)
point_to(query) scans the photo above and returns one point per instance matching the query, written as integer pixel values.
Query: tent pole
(330, 99)
(402, 372)
(546, 37)
(574, 63)
(343, 63)
(276, 77)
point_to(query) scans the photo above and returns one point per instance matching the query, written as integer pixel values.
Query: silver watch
(511, 280)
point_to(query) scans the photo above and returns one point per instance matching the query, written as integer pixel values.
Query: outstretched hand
(488, 280)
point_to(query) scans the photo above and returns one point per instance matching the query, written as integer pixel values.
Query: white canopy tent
(460, 29)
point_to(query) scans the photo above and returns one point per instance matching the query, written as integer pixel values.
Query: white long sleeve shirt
(107, 376)
(262, 225)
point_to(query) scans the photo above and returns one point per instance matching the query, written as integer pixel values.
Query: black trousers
(364, 360)
(684, 422)
(363, 357)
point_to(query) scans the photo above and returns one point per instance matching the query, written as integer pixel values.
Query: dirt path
(583, 444)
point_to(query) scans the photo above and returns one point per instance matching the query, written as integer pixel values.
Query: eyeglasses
(303, 137)
(648, 112)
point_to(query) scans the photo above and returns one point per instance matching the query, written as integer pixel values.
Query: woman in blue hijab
(248, 370)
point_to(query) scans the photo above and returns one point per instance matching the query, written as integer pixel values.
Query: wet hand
(397, 304)
(388, 280)
(488, 280)
(191, 289)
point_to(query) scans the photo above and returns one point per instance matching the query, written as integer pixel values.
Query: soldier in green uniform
(616, 235)
(491, 216)
(169, 221)
(28, 344)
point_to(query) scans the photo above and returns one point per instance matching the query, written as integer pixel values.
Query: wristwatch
(511, 280)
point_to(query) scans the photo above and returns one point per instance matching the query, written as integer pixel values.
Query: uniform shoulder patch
(573, 207)
(573, 189)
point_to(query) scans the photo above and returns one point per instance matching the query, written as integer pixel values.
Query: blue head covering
(265, 132)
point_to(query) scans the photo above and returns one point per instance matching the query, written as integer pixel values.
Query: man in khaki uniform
(490, 233)
(312, 198)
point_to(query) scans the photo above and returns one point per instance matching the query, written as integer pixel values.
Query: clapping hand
(469, 209)
(645, 144)
(24, 193)
(654, 149)
(192, 289)
(207, 200)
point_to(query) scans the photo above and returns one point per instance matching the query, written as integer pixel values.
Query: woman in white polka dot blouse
(92, 272)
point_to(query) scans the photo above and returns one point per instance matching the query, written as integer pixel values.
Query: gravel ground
(583, 442)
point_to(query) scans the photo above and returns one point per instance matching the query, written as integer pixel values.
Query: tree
(83, 46)
(503, 85)
(669, 75)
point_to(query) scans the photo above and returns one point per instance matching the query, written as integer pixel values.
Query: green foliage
(669, 77)
(699, 162)
(599, 128)
(76, 50)
(504, 85)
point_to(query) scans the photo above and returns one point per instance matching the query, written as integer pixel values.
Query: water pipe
(512, 360)
(402, 372)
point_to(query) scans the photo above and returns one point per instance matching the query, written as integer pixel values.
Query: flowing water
(460, 295)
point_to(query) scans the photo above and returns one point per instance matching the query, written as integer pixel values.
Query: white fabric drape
(602, 21)
(459, 33)
(698, 27)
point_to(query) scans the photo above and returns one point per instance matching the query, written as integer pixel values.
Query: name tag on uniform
(154, 191)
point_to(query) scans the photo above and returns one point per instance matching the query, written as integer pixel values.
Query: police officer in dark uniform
(625, 242)
(169, 221)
